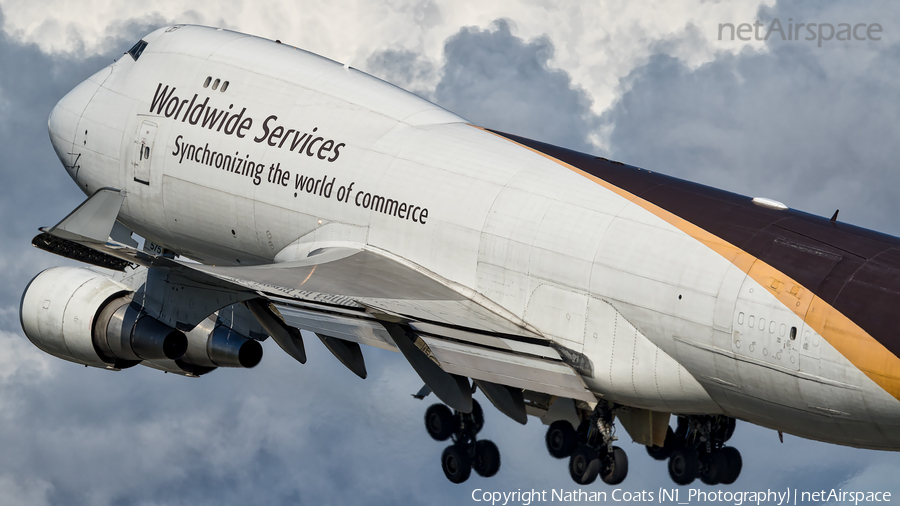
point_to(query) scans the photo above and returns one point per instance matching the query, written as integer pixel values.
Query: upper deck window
(137, 49)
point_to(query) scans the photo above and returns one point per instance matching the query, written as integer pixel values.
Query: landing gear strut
(590, 449)
(696, 449)
(467, 452)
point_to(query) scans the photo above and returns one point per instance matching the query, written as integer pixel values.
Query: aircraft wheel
(477, 416)
(729, 430)
(584, 465)
(456, 463)
(615, 467)
(723, 429)
(733, 465)
(439, 422)
(487, 458)
(663, 452)
(682, 426)
(561, 439)
(714, 467)
(684, 465)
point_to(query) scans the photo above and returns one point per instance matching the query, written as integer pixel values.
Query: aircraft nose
(63, 122)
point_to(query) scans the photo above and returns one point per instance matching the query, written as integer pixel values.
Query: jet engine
(212, 344)
(85, 317)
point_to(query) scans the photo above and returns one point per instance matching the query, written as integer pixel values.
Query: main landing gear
(696, 449)
(467, 452)
(589, 449)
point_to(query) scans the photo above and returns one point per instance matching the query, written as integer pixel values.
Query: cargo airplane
(277, 190)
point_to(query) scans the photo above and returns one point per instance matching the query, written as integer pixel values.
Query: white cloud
(596, 42)
(21, 365)
(21, 362)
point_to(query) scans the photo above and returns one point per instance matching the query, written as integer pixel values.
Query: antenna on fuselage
(74, 163)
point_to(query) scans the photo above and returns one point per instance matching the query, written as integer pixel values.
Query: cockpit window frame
(137, 49)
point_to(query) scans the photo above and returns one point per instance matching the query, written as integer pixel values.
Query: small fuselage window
(137, 49)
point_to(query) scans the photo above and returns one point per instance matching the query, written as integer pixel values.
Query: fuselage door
(143, 152)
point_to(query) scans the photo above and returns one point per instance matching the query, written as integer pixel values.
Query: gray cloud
(498, 80)
(35, 190)
(777, 123)
(809, 126)
(404, 68)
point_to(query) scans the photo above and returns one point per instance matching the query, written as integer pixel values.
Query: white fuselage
(668, 323)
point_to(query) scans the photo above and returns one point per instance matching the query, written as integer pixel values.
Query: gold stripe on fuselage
(848, 338)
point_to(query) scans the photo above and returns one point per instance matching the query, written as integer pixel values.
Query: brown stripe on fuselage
(843, 281)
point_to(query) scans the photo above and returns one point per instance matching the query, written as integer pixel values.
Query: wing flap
(357, 329)
(505, 368)
(501, 360)
(537, 349)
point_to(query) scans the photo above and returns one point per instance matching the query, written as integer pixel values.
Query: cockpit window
(137, 49)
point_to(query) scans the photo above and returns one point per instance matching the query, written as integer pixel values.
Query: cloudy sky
(648, 83)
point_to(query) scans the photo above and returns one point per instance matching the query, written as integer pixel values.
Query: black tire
(684, 466)
(487, 458)
(439, 422)
(733, 465)
(477, 416)
(615, 467)
(561, 439)
(713, 467)
(675, 442)
(456, 463)
(729, 429)
(663, 452)
(723, 429)
(584, 465)
(681, 427)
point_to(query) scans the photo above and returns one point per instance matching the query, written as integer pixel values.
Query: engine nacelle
(123, 331)
(82, 316)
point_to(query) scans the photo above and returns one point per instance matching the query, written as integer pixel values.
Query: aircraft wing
(348, 293)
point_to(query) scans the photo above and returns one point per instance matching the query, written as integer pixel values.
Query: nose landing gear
(467, 452)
